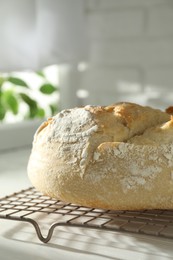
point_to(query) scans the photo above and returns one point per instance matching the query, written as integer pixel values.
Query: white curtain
(37, 33)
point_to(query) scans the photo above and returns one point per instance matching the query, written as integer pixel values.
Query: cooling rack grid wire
(26, 205)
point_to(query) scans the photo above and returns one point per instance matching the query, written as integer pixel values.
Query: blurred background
(57, 54)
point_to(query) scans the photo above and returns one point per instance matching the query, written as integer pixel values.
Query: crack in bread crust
(114, 157)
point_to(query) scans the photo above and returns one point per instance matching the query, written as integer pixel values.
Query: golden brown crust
(114, 157)
(169, 110)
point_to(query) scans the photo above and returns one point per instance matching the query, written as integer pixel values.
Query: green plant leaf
(40, 112)
(33, 108)
(29, 101)
(54, 109)
(10, 101)
(2, 112)
(17, 81)
(33, 112)
(40, 73)
(2, 80)
(47, 89)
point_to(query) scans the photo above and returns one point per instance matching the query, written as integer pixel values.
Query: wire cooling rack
(31, 206)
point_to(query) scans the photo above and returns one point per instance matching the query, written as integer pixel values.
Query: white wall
(130, 52)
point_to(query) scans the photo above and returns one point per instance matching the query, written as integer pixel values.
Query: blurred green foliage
(10, 98)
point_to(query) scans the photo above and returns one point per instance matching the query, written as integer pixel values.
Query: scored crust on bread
(116, 157)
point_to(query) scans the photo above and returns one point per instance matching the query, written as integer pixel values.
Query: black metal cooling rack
(31, 206)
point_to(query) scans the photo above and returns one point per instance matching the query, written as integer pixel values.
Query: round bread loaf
(116, 157)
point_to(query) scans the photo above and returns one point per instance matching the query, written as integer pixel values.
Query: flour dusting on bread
(115, 157)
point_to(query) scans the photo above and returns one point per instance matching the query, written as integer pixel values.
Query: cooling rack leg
(50, 231)
(38, 231)
(36, 226)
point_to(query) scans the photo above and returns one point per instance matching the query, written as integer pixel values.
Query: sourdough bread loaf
(116, 157)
